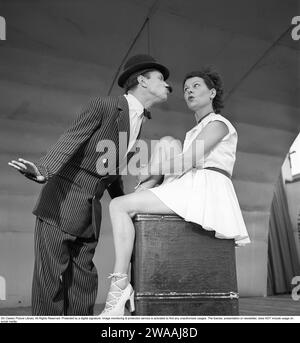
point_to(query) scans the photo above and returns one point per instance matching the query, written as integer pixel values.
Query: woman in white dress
(198, 188)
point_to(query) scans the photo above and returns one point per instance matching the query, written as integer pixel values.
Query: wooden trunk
(178, 268)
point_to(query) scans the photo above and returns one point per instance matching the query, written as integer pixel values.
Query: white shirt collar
(134, 104)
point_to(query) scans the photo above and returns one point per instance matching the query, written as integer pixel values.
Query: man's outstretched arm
(82, 128)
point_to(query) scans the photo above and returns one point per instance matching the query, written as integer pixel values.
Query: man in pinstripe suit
(76, 175)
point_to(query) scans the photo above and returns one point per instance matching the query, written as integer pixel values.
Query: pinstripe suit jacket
(74, 170)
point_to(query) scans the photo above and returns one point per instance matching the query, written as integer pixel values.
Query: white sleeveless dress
(207, 197)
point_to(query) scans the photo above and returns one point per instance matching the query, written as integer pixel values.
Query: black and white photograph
(150, 161)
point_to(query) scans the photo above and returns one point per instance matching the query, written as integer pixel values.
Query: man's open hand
(28, 169)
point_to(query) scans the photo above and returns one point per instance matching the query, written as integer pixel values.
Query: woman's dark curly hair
(212, 80)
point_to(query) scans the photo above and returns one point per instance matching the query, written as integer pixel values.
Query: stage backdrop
(58, 54)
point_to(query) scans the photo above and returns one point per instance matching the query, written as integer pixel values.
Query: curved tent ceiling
(59, 53)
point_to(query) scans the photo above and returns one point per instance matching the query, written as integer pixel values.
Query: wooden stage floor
(269, 306)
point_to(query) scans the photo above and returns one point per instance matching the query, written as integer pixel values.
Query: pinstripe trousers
(65, 280)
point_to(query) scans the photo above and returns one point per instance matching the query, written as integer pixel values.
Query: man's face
(157, 86)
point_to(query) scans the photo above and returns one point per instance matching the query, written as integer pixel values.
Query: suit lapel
(133, 149)
(137, 139)
(122, 125)
(123, 122)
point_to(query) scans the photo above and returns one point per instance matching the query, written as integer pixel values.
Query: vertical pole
(2, 288)
(2, 28)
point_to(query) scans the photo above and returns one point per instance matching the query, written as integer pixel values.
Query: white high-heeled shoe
(119, 298)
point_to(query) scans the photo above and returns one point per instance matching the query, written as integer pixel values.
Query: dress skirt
(208, 198)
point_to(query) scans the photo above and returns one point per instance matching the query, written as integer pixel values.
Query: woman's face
(196, 93)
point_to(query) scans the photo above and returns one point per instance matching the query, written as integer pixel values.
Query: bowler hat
(140, 63)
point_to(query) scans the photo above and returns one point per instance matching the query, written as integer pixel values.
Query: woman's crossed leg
(124, 208)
